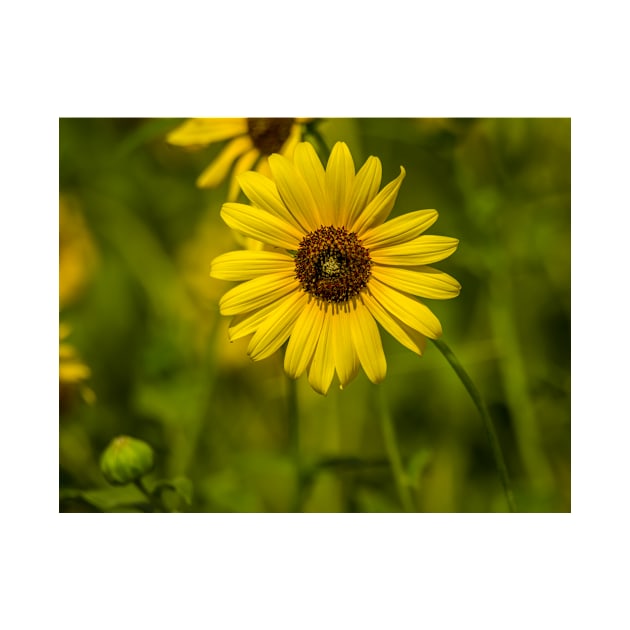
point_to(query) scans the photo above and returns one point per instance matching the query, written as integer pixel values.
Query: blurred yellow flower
(252, 141)
(77, 252)
(337, 267)
(72, 372)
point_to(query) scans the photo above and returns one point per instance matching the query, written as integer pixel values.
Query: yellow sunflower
(73, 373)
(252, 141)
(78, 256)
(337, 267)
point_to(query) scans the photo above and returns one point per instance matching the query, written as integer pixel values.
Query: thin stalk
(209, 370)
(393, 453)
(294, 439)
(485, 416)
(319, 140)
(514, 375)
(152, 500)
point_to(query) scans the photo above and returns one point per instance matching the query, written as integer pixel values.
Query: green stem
(391, 446)
(514, 375)
(152, 500)
(485, 416)
(312, 130)
(294, 439)
(193, 452)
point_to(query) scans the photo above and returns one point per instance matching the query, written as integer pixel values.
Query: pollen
(269, 134)
(331, 268)
(332, 265)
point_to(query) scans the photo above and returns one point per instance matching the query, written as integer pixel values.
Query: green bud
(125, 460)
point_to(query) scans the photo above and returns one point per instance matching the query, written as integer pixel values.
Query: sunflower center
(269, 134)
(332, 265)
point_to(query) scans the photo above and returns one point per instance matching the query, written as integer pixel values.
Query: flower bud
(125, 460)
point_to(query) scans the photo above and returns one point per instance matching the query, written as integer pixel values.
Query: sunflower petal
(263, 193)
(322, 368)
(263, 167)
(257, 293)
(379, 208)
(339, 182)
(290, 144)
(260, 225)
(408, 337)
(399, 230)
(346, 359)
(247, 264)
(294, 192)
(423, 250)
(423, 281)
(309, 166)
(277, 327)
(409, 311)
(366, 185)
(367, 342)
(218, 169)
(303, 339)
(243, 164)
(247, 323)
(203, 131)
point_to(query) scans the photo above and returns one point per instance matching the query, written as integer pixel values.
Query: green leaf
(181, 485)
(108, 499)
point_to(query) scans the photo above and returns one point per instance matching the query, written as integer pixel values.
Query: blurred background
(144, 353)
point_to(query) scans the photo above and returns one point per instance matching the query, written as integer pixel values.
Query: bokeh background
(145, 353)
